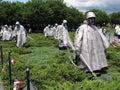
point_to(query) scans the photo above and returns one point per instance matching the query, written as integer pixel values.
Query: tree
(74, 17)
(10, 12)
(61, 12)
(37, 13)
(2, 14)
(57, 6)
(115, 18)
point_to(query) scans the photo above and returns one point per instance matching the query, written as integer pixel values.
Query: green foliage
(10, 12)
(39, 13)
(74, 17)
(22, 51)
(39, 10)
(57, 7)
(110, 31)
(39, 40)
(58, 71)
(50, 68)
(114, 18)
(114, 57)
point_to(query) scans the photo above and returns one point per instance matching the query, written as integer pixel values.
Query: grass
(41, 54)
(110, 30)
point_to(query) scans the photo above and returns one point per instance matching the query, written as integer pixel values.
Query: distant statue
(21, 34)
(63, 36)
(6, 33)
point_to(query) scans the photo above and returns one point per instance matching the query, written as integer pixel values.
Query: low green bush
(51, 69)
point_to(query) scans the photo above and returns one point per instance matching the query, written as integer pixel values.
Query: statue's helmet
(91, 15)
(64, 21)
(17, 23)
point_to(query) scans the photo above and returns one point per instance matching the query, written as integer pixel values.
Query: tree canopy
(115, 18)
(39, 13)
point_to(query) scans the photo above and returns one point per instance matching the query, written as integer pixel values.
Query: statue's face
(91, 21)
(18, 26)
(64, 24)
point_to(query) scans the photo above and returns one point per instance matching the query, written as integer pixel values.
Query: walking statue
(21, 34)
(63, 36)
(90, 45)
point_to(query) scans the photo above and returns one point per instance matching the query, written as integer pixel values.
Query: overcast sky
(84, 5)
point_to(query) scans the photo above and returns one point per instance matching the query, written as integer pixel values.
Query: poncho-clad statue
(90, 45)
(55, 31)
(21, 34)
(47, 30)
(6, 33)
(63, 36)
(1, 31)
